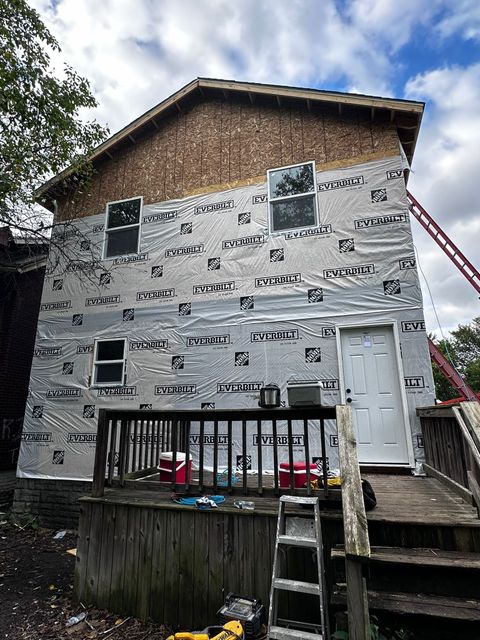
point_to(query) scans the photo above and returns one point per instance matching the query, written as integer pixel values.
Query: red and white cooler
(299, 474)
(165, 467)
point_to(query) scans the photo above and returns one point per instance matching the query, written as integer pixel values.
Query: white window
(109, 362)
(292, 198)
(122, 227)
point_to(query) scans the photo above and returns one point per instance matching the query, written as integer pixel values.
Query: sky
(136, 53)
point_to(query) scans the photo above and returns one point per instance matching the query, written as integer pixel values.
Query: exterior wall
(19, 304)
(192, 341)
(218, 143)
(55, 503)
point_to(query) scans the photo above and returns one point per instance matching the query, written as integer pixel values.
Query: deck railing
(451, 437)
(130, 443)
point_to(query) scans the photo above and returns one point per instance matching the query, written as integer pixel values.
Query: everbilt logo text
(268, 440)
(53, 306)
(267, 336)
(341, 184)
(117, 391)
(200, 341)
(407, 263)
(92, 302)
(85, 348)
(63, 393)
(184, 251)
(365, 223)
(208, 438)
(143, 296)
(216, 206)
(239, 387)
(160, 217)
(271, 281)
(213, 288)
(82, 437)
(246, 241)
(37, 436)
(48, 351)
(148, 345)
(306, 233)
(260, 199)
(359, 270)
(413, 325)
(393, 175)
(141, 257)
(414, 382)
(170, 390)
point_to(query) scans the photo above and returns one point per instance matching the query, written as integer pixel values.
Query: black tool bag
(369, 498)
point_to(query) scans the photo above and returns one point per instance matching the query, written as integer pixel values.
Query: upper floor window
(122, 228)
(109, 362)
(292, 197)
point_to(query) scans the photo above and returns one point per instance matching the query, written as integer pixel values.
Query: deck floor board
(400, 499)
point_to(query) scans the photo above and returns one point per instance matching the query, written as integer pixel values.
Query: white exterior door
(372, 388)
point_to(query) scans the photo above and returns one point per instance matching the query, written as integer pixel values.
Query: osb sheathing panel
(220, 144)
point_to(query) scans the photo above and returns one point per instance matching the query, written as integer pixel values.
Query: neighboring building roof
(406, 114)
(21, 254)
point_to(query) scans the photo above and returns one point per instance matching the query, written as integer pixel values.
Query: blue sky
(137, 52)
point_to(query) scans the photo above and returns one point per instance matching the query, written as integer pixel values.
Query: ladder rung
(296, 585)
(298, 500)
(281, 633)
(297, 541)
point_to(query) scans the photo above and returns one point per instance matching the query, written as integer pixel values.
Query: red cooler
(299, 474)
(165, 467)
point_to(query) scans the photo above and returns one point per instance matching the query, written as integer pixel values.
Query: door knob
(348, 390)
(349, 400)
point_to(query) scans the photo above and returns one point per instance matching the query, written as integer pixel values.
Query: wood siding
(217, 144)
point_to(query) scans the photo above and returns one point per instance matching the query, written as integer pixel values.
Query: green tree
(463, 349)
(41, 129)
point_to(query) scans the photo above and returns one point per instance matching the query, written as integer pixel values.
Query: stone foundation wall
(53, 502)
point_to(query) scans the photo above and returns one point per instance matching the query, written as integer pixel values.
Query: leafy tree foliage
(41, 130)
(463, 348)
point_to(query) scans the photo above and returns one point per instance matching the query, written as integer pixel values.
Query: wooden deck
(141, 553)
(401, 499)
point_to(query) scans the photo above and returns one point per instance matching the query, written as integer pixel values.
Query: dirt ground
(36, 585)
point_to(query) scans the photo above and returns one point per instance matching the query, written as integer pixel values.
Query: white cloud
(446, 182)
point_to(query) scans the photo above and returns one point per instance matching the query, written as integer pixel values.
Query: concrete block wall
(53, 502)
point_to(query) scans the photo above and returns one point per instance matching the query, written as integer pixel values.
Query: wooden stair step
(419, 604)
(419, 557)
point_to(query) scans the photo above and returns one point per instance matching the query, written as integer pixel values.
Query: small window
(109, 362)
(292, 197)
(122, 228)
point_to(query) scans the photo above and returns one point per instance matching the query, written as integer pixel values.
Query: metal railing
(130, 445)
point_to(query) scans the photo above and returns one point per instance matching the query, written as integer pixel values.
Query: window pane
(109, 373)
(110, 350)
(121, 242)
(292, 181)
(122, 213)
(292, 214)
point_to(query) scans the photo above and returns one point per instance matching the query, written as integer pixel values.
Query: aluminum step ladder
(298, 532)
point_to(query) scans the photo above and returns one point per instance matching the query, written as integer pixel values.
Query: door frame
(403, 394)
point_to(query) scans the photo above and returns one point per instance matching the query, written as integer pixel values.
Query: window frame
(106, 231)
(271, 201)
(96, 362)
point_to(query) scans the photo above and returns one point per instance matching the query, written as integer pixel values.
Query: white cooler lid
(168, 455)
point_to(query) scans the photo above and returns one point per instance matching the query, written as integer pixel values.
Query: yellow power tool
(231, 630)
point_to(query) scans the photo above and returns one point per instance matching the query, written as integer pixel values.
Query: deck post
(101, 448)
(357, 545)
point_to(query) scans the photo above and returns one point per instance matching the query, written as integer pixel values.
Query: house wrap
(231, 289)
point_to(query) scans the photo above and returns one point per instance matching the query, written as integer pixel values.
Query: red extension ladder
(470, 273)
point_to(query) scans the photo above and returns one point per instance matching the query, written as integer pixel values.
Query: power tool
(231, 630)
